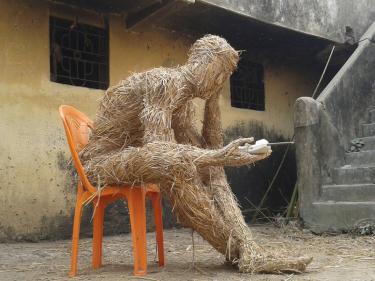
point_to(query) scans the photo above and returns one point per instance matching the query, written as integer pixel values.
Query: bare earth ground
(342, 257)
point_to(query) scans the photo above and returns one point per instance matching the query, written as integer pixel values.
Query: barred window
(247, 86)
(78, 54)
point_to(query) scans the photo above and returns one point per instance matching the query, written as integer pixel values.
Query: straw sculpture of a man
(145, 131)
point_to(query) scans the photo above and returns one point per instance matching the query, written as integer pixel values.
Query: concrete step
(372, 115)
(339, 216)
(352, 193)
(369, 143)
(352, 175)
(361, 158)
(368, 130)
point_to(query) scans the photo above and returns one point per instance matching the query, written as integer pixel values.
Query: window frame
(248, 92)
(63, 59)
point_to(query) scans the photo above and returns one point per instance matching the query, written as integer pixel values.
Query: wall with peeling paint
(36, 189)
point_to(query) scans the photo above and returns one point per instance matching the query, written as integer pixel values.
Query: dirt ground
(342, 257)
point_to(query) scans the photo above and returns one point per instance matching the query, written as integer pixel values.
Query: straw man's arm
(212, 131)
(159, 133)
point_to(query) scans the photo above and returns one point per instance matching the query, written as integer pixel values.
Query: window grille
(247, 86)
(78, 54)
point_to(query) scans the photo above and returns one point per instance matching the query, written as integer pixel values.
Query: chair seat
(112, 189)
(112, 193)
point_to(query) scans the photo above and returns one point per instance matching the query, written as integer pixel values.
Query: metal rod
(280, 143)
(324, 71)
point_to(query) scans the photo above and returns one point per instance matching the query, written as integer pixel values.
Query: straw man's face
(212, 60)
(216, 76)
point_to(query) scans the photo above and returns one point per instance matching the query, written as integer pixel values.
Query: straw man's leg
(252, 258)
(216, 188)
(216, 180)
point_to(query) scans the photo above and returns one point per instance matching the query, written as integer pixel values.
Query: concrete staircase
(351, 195)
(355, 181)
(336, 188)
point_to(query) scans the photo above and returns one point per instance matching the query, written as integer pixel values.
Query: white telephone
(260, 147)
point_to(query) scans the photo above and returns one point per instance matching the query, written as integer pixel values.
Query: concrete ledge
(352, 192)
(340, 216)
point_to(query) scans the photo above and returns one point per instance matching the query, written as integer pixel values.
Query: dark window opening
(78, 54)
(247, 86)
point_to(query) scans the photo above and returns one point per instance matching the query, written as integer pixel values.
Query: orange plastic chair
(77, 127)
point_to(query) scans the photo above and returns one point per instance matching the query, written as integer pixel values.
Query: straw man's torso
(147, 106)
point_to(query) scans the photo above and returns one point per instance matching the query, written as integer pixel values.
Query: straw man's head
(211, 61)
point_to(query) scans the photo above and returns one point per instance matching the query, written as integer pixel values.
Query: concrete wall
(36, 190)
(323, 18)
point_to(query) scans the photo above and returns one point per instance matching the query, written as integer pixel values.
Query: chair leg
(75, 236)
(158, 218)
(137, 213)
(97, 241)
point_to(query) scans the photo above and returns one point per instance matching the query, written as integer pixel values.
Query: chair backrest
(77, 129)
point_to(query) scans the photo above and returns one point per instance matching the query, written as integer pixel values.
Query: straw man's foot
(253, 261)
